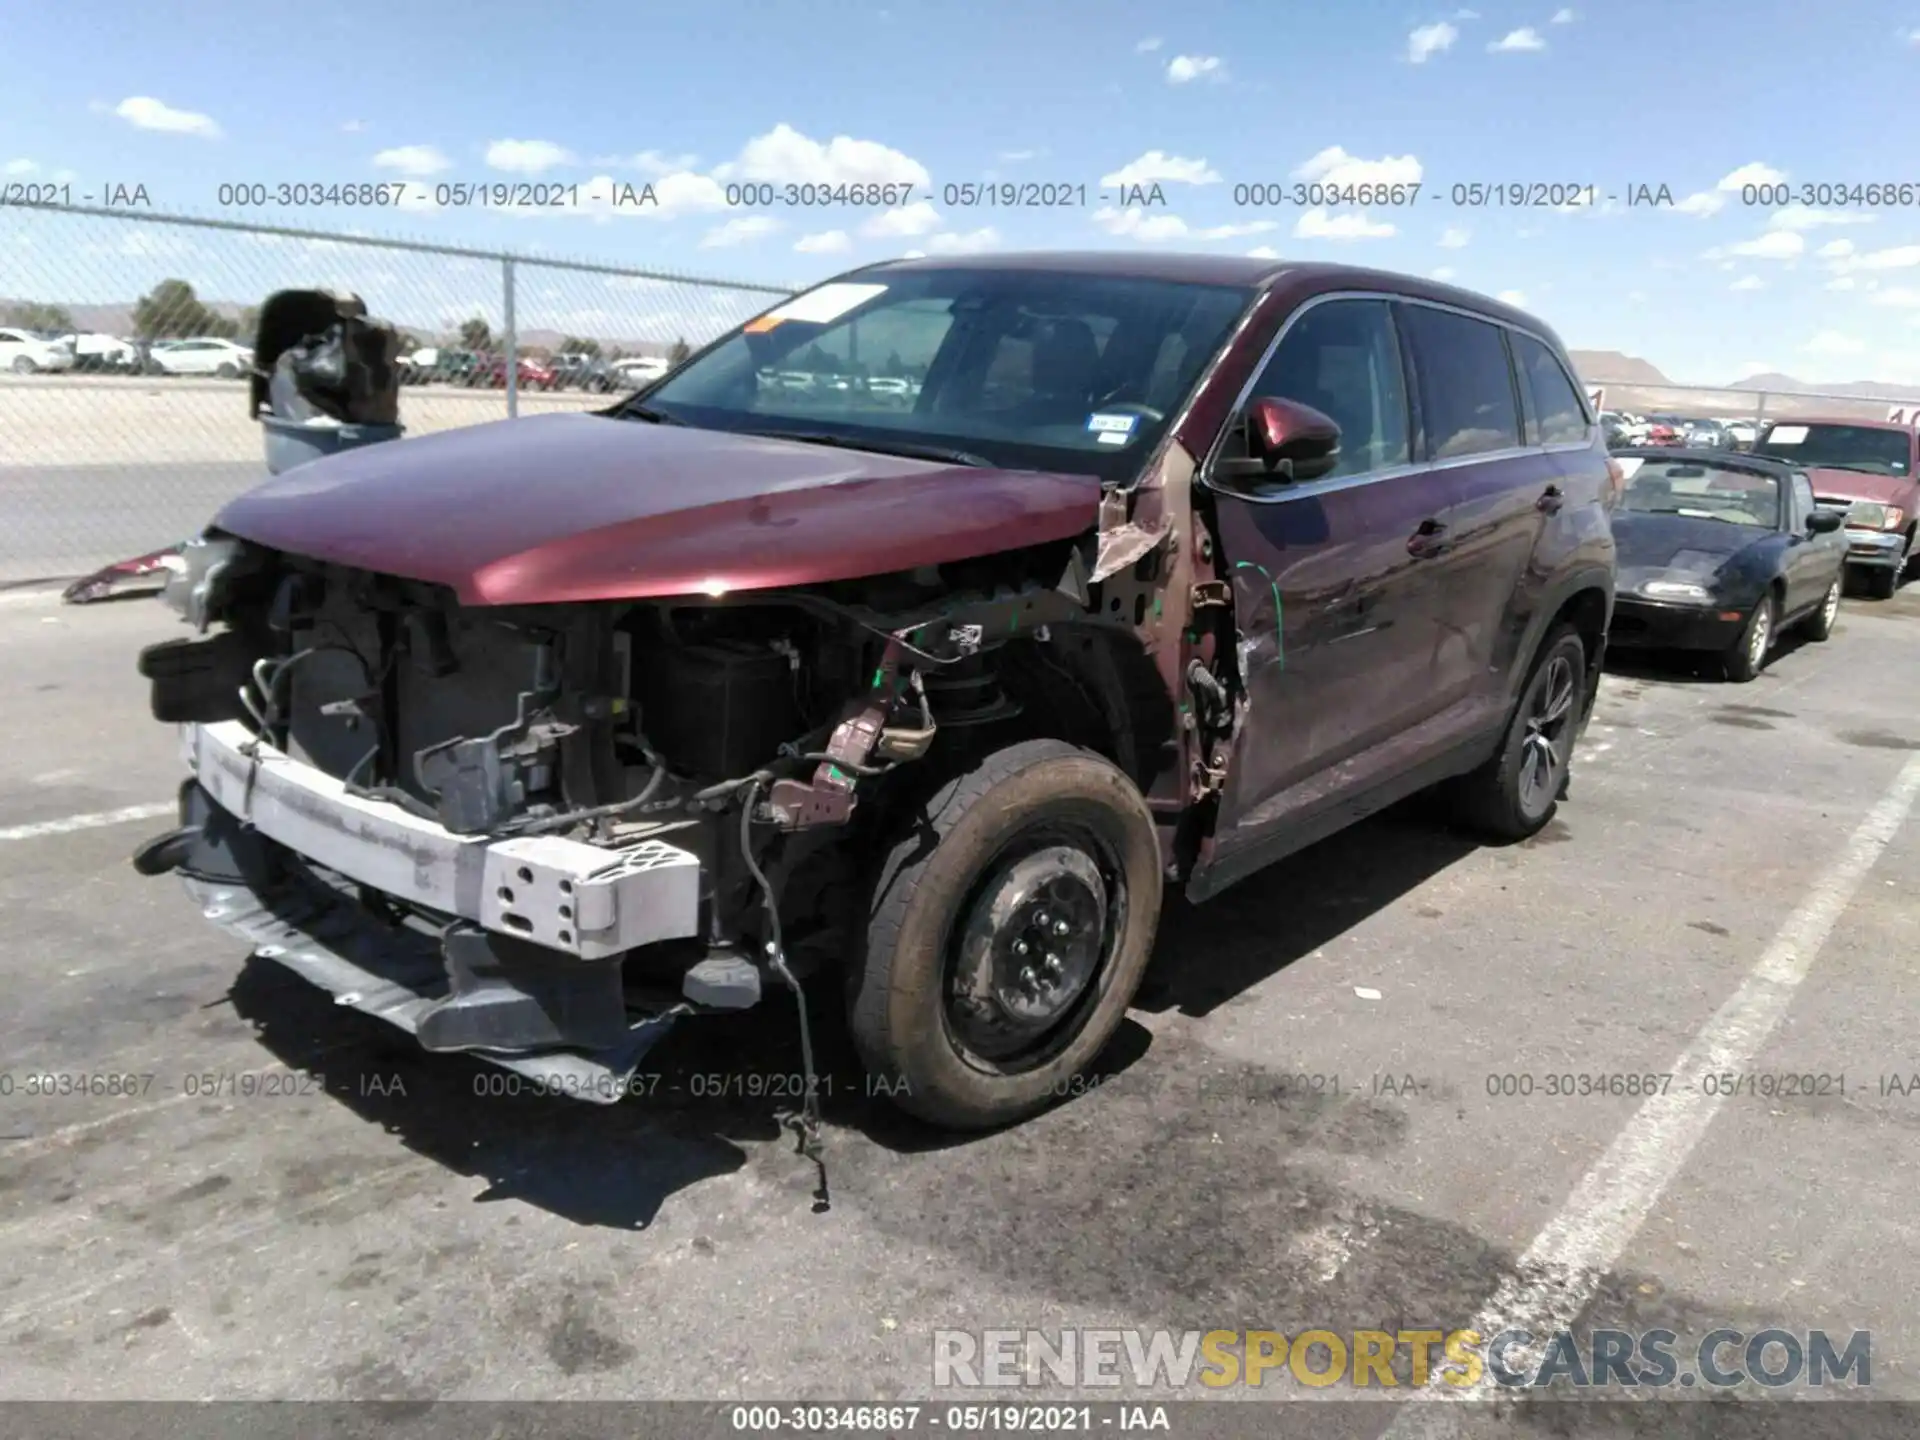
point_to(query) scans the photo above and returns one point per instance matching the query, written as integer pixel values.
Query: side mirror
(1825, 522)
(1285, 442)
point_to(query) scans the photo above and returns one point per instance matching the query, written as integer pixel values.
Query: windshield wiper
(633, 410)
(912, 450)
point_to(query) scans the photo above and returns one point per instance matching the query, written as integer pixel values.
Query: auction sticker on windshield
(1786, 434)
(817, 307)
(1112, 429)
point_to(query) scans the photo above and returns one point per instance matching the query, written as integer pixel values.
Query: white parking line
(29, 597)
(94, 821)
(1557, 1275)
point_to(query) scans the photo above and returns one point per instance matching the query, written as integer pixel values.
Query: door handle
(1550, 500)
(1427, 541)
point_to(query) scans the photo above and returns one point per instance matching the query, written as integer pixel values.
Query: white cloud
(740, 231)
(1561, 17)
(1515, 298)
(1913, 37)
(1441, 272)
(1137, 224)
(1184, 68)
(1774, 245)
(1318, 224)
(1638, 297)
(919, 218)
(1702, 203)
(1466, 15)
(353, 127)
(1898, 257)
(826, 242)
(1806, 217)
(413, 160)
(1015, 157)
(20, 167)
(786, 156)
(1515, 41)
(1753, 173)
(1748, 282)
(1898, 297)
(950, 242)
(1149, 45)
(528, 157)
(1835, 249)
(1263, 252)
(1430, 40)
(1334, 166)
(1833, 343)
(649, 162)
(416, 198)
(1842, 282)
(681, 193)
(1156, 166)
(1454, 238)
(145, 113)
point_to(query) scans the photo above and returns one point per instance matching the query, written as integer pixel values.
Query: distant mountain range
(1618, 371)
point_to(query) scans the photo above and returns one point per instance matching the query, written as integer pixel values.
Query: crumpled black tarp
(317, 354)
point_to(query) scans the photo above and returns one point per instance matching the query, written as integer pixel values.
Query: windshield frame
(1120, 467)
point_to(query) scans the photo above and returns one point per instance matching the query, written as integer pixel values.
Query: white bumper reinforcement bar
(581, 900)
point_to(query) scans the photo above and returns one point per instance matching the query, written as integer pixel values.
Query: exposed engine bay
(767, 736)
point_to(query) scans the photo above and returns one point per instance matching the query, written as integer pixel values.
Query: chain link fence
(124, 350)
(1703, 402)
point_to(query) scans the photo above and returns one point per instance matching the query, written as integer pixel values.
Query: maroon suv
(536, 738)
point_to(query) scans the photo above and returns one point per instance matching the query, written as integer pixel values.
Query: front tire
(1515, 794)
(1748, 655)
(1008, 932)
(1881, 584)
(227, 372)
(1819, 625)
(22, 365)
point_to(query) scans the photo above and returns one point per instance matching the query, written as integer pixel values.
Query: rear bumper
(1656, 625)
(510, 950)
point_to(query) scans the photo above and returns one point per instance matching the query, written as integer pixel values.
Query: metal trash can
(294, 442)
(326, 377)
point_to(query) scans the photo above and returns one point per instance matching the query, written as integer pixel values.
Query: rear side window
(1343, 358)
(1466, 383)
(1559, 416)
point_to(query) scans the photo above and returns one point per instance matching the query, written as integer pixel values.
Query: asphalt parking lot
(1735, 869)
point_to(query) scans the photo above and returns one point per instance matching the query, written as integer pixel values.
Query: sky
(591, 104)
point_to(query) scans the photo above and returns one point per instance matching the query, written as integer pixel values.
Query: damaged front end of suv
(534, 739)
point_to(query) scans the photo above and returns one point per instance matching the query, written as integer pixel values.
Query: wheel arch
(1584, 600)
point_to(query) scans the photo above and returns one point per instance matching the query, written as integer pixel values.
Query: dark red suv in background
(559, 730)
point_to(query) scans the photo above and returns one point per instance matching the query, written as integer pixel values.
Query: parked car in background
(734, 689)
(103, 354)
(1868, 469)
(1663, 432)
(638, 370)
(1614, 429)
(227, 359)
(1742, 433)
(417, 366)
(29, 352)
(1706, 435)
(585, 372)
(1724, 553)
(491, 370)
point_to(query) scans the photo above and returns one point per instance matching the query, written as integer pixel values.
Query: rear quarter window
(1559, 414)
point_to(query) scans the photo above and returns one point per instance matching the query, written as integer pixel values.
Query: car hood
(1858, 485)
(581, 507)
(1680, 542)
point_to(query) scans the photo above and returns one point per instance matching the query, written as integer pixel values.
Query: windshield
(1871, 448)
(1027, 369)
(1703, 492)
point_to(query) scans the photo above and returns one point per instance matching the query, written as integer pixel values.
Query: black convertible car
(1722, 552)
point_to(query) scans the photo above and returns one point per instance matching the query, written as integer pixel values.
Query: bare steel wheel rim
(1762, 635)
(1029, 951)
(1549, 737)
(1831, 608)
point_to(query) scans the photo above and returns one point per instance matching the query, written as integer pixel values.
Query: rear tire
(964, 894)
(227, 372)
(1881, 584)
(1819, 625)
(1516, 793)
(1747, 656)
(22, 365)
